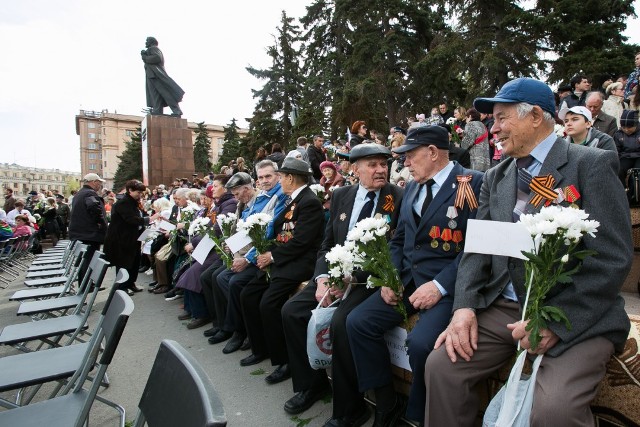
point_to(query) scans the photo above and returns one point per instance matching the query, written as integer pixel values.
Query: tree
(233, 147)
(202, 150)
(280, 93)
(130, 165)
(71, 184)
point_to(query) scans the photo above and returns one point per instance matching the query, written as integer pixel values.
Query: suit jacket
(340, 214)
(294, 258)
(592, 302)
(605, 123)
(411, 249)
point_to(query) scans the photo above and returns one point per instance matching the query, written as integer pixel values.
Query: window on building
(92, 166)
(92, 146)
(105, 163)
(92, 125)
(92, 136)
(130, 132)
(92, 156)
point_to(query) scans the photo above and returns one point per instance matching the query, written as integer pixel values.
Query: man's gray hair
(525, 108)
(182, 193)
(595, 94)
(266, 163)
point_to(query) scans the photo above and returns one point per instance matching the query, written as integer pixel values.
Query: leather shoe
(234, 343)
(184, 316)
(303, 400)
(220, 336)
(252, 359)
(134, 288)
(161, 289)
(246, 344)
(197, 323)
(391, 416)
(280, 374)
(211, 332)
(356, 420)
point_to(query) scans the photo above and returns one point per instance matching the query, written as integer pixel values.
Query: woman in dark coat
(195, 307)
(121, 246)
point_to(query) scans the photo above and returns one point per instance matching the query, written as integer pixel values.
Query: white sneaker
(149, 272)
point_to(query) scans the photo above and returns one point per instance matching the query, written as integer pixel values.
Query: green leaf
(564, 278)
(257, 372)
(300, 422)
(581, 255)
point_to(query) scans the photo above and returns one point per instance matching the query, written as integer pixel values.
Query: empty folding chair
(6, 256)
(78, 251)
(72, 409)
(56, 364)
(178, 392)
(51, 331)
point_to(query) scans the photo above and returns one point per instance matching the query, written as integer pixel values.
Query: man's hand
(239, 264)
(188, 248)
(426, 296)
(518, 332)
(264, 260)
(388, 296)
(322, 285)
(180, 225)
(461, 336)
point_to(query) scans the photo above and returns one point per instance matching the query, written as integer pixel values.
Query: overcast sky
(58, 57)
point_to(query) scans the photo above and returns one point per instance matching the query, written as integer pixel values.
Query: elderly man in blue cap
(425, 250)
(490, 290)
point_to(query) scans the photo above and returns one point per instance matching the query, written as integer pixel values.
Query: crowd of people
(426, 179)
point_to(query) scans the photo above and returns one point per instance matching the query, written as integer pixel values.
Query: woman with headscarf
(121, 246)
(330, 180)
(218, 201)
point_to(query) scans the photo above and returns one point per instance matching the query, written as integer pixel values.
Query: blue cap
(524, 89)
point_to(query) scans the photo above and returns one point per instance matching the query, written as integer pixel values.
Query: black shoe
(143, 269)
(304, 400)
(356, 420)
(391, 416)
(198, 323)
(134, 288)
(211, 332)
(252, 359)
(152, 286)
(246, 344)
(234, 343)
(281, 373)
(220, 336)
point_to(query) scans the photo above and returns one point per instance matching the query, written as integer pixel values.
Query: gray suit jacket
(592, 302)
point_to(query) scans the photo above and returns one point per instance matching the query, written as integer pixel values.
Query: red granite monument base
(167, 150)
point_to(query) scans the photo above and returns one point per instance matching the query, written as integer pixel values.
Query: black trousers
(261, 302)
(296, 313)
(208, 282)
(92, 247)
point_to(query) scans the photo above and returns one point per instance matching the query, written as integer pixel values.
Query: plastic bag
(318, 335)
(511, 406)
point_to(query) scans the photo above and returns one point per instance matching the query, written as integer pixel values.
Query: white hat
(92, 177)
(583, 111)
(3, 215)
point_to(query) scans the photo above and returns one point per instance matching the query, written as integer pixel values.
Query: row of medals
(446, 246)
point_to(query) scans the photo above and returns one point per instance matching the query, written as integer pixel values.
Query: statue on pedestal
(162, 91)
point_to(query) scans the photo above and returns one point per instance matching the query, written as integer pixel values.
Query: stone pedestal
(167, 150)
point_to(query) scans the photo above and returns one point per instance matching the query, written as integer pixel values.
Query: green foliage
(233, 145)
(257, 372)
(130, 165)
(202, 150)
(301, 422)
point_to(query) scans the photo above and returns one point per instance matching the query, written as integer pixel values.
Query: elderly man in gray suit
(485, 327)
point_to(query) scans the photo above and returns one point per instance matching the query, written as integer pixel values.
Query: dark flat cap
(295, 166)
(425, 136)
(238, 179)
(361, 151)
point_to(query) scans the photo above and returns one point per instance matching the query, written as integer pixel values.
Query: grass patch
(301, 422)
(257, 372)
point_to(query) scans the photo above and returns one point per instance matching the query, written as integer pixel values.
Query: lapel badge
(343, 216)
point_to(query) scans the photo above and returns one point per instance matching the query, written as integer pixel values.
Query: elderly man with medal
(426, 250)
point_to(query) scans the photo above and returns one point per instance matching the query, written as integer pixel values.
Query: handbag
(511, 406)
(164, 252)
(319, 348)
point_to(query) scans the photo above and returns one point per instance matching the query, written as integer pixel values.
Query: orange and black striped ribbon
(388, 203)
(542, 187)
(465, 193)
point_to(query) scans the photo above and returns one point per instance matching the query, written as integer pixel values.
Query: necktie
(523, 189)
(367, 208)
(288, 201)
(429, 198)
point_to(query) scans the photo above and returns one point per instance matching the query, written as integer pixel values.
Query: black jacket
(316, 156)
(87, 223)
(127, 222)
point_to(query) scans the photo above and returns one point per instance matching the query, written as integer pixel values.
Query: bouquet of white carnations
(557, 232)
(227, 221)
(342, 262)
(255, 226)
(318, 190)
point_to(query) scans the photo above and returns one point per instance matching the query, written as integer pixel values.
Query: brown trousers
(565, 385)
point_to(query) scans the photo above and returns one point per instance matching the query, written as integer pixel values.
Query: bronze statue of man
(162, 91)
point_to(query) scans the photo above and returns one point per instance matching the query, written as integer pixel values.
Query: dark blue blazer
(411, 250)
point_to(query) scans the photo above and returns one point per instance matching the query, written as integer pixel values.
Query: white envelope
(166, 226)
(497, 238)
(202, 250)
(237, 241)
(148, 233)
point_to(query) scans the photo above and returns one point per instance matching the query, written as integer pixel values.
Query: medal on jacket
(542, 188)
(457, 239)
(452, 214)
(434, 233)
(571, 195)
(446, 237)
(289, 214)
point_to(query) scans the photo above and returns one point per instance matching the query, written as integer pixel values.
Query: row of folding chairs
(15, 256)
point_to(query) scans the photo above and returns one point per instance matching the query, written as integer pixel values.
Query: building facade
(103, 135)
(24, 179)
